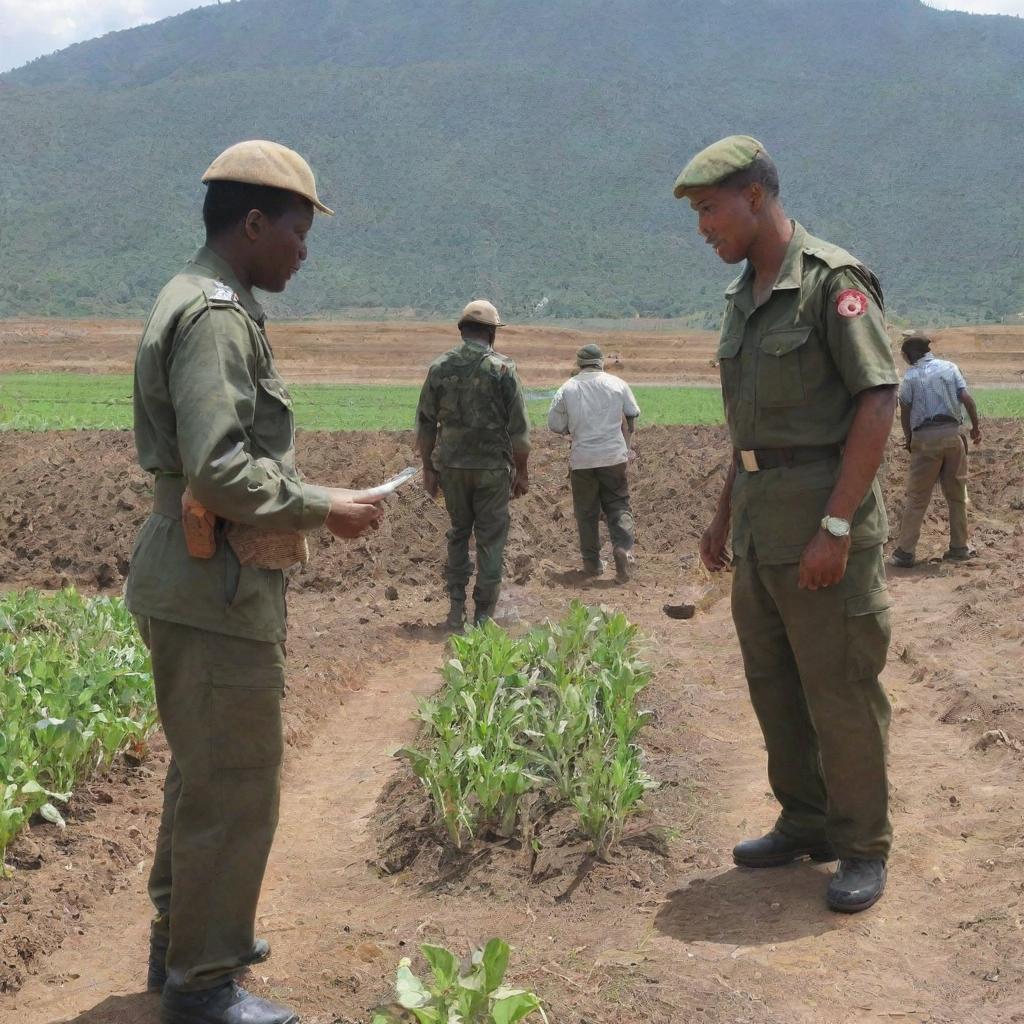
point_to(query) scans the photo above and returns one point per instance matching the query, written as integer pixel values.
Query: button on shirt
(931, 387)
(590, 407)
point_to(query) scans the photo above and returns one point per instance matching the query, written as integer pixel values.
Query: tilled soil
(669, 930)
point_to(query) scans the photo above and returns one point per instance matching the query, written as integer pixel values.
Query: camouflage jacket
(473, 409)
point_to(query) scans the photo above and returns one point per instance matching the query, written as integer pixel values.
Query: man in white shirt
(599, 412)
(933, 393)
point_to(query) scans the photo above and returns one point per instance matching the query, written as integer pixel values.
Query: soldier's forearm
(723, 511)
(862, 455)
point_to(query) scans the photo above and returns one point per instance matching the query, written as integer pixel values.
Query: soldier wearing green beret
(213, 424)
(473, 435)
(809, 386)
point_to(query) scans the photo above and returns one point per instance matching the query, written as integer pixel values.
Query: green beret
(718, 161)
(589, 354)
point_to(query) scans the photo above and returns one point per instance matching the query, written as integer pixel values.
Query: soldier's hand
(521, 485)
(823, 563)
(431, 481)
(712, 546)
(353, 514)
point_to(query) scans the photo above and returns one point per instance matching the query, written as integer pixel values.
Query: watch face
(837, 527)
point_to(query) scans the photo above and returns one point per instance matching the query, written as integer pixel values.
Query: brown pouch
(200, 526)
(267, 549)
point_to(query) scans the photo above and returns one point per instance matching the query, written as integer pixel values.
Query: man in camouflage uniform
(808, 382)
(212, 414)
(474, 438)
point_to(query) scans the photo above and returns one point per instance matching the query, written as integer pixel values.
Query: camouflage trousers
(812, 661)
(597, 492)
(220, 706)
(477, 501)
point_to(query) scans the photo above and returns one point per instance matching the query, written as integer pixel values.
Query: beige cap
(258, 162)
(480, 311)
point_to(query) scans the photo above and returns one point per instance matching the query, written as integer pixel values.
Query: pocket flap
(276, 389)
(781, 343)
(871, 603)
(730, 344)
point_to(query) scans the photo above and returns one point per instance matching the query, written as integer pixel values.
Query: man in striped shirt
(933, 394)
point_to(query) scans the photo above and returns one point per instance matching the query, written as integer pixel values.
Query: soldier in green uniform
(474, 438)
(808, 382)
(212, 414)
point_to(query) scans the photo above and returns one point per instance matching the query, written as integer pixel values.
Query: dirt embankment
(397, 352)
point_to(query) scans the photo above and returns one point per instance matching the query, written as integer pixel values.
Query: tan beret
(480, 311)
(258, 162)
(718, 161)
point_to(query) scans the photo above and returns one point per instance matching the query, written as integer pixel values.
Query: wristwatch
(836, 526)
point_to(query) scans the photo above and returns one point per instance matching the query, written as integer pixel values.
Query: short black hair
(761, 171)
(916, 346)
(228, 202)
(475, 329)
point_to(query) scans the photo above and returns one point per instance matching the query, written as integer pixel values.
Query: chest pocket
(728, 356)
(780, 378)
(273, 424)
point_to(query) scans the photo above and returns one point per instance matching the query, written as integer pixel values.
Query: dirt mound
(74, 501)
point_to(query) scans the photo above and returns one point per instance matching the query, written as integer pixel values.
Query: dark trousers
(604, 490)
(812, 660)
(220, 706)
(477, 502)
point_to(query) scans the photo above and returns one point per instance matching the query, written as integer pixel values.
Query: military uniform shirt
(212, 410)
(472, 397)
(791, 370)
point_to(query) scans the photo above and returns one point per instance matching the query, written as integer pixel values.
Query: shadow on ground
(139, 1008)
(744, 907)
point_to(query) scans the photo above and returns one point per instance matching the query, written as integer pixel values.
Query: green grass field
(68, 401)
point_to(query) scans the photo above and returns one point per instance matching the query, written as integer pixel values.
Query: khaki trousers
(220, 706)
(812, 660)
(937, 453)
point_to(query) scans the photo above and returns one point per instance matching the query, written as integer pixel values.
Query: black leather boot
(482, 611)
(857, 884)
(456, 615)
(226, 1004)
(776, 848)
(157, 974)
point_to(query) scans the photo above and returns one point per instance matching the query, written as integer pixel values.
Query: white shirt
(590, 407)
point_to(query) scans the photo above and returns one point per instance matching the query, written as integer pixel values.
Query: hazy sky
(30, 28)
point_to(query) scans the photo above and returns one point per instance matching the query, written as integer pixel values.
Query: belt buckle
(748, 459)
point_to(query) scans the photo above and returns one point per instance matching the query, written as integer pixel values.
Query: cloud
(980, 6)
(31, 28)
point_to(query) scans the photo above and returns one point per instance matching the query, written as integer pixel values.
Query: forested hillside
(522, 149)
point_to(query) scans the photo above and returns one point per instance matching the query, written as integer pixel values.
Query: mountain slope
(525, 150)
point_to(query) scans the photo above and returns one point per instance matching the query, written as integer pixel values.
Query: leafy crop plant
(553, 714)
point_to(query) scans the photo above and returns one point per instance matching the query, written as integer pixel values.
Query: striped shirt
(931, 387)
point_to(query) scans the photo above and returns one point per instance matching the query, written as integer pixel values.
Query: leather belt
(938, 421)
(756, 459)
(167, 492)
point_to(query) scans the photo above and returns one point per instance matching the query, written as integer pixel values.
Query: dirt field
(649, 352)
(669, 931)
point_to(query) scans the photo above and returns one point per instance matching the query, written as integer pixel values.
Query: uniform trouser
(596, 491)
(477, 502)
(812, 660)
(220, 706)
(937, 453)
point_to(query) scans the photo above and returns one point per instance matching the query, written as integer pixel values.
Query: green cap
(718, 161)
(588, 355)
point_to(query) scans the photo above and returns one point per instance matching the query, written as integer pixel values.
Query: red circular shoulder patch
(851, 303)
